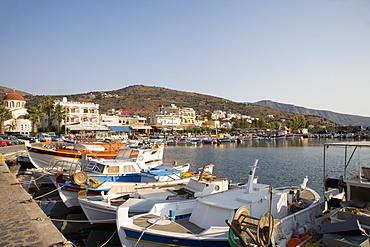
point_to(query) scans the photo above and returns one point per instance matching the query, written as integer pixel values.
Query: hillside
(6, 90)
(144, 99)
(341, 119)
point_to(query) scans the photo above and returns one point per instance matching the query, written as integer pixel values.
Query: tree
(13, 125)
(236, 123)
(274, 125)
(5, 114)
(297, 122)
(262, 124)
(59, 114)
(207, 115)
(35, 115)
(47, 107)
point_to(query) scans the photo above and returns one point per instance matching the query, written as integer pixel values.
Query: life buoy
(141, 157)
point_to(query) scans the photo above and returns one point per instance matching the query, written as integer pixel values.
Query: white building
(124, 117)
(81, 115)
(17, 106)
(173, 117)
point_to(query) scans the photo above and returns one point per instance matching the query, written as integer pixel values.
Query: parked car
(2, 143)
(26, 137)
(56, 138)
(8, 142)
(14, 139)
(41, 137)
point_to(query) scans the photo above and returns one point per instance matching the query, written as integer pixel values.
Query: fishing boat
(350, 223)
(203, 222)
(44, 156)
(101, 210)
(346, 203)
(210, 141)
(101, 175)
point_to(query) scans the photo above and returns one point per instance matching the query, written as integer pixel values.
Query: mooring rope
(47, 193)
(80, 221)
(109, 238)
(146, 228)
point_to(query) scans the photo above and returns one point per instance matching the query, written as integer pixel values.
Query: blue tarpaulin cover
(121, 128)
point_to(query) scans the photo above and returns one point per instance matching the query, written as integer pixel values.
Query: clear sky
(314, 54)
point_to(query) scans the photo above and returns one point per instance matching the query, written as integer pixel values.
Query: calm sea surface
(281, 162)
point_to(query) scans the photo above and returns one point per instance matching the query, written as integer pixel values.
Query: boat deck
(180, 226)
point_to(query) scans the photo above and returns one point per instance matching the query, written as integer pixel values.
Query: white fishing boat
(101, 175)
(50, 162)
(101, 210)
(202, 222)
(350, 223)
(346, 220)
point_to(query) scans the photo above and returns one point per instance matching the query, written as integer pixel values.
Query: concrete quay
(22, 222)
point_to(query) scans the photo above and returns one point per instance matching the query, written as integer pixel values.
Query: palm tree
(5, 114)
(13, 125)
(35, 115)
(59, 113)
(47, 106)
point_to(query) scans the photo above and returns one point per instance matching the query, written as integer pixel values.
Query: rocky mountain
(144, 99)
(341, 119)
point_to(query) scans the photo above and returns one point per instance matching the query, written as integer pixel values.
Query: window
(113, 169)
(123, 154)
(129, 169)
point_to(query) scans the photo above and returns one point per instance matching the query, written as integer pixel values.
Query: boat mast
(249, 187)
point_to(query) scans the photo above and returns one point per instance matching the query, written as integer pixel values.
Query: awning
(141, 127)
(121, 128)
(87, 128)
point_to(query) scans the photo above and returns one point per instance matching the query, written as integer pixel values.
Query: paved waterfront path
(22, 222)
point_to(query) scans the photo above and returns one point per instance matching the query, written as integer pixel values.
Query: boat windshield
(127, 154)
(94, 167)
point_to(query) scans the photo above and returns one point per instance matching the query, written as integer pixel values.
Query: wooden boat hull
(42, 157)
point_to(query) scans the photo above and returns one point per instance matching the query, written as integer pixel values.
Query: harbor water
(281, 163)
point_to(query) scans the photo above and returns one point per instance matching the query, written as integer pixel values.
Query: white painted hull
(69, 195)
(216, 235)
(98, 214)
